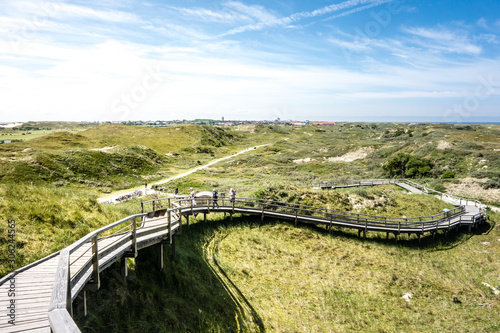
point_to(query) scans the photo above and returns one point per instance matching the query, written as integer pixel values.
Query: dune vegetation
(292, 278)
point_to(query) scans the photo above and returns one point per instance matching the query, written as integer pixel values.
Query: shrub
(440, 188)
(405, 165)
(492, 183)
(448, 174)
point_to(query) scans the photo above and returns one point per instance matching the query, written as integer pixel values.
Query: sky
(351, 60)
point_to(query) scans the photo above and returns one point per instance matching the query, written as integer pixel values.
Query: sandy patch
(349, 157)
(105, 149)
(471, 187)
(305, 160)
(443, 145)
(11, 125)
(352, 156)
(246, 128)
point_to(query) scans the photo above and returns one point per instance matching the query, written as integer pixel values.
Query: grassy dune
(294, 278)
(303, 279)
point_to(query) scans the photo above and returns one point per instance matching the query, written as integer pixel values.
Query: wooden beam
(124, 267)
(160, 256)
(173, 245)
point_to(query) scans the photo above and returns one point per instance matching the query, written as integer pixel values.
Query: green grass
(295, 278)
(304, 279)
(49, 219)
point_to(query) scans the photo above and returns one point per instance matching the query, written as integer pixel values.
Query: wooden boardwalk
(45, 290)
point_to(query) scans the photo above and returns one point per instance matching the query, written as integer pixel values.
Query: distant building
(295, 123)
(324, 123)
(222, 118)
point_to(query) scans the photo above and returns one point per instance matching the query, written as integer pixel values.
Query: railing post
(142, 207)
(169, 203)
(180, 221)
(95, 263)
(133, 247)
(366, 228)
(154, 201)
(69, 298)
(191, 203)
(169, 217)
(296, 213)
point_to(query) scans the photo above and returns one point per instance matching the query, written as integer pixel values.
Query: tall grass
(50, 218)
(303, 279)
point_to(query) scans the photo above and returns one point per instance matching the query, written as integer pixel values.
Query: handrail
(393, 181)
(60, 304)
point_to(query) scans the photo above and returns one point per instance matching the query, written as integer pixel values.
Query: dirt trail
(112, 197)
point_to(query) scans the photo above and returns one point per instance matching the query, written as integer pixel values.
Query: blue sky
(374, 60)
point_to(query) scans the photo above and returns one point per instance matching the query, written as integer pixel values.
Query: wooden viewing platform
(46, 289)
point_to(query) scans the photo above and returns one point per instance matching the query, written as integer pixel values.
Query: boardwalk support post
(82, 303)
(124, 267)
(172, 245)
(159, 258)
(187, 220)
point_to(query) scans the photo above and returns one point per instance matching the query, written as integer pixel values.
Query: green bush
(449, 174)
(492, 183)
(406, 165)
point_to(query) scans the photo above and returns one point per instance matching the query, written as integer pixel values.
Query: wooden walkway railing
(373, 182)
(80, 264)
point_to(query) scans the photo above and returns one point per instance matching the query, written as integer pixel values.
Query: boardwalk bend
(45, 290)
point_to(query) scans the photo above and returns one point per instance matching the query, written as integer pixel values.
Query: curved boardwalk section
(45, 290)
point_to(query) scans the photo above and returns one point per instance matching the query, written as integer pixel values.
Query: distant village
(222, 122)
(26, 128)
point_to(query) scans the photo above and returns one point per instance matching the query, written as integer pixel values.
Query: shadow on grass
(186, 296)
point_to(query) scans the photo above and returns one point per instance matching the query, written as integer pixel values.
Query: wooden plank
(36, 326)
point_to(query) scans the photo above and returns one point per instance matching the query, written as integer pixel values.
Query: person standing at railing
(232, 195)
(215, 198)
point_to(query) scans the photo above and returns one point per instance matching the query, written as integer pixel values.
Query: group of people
(215, 196)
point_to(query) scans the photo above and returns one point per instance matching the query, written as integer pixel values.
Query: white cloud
(443, 40)
(353, 46)
(257, 12)
(482, 23)
(73, 11)
(267, 19)
(212, 16)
